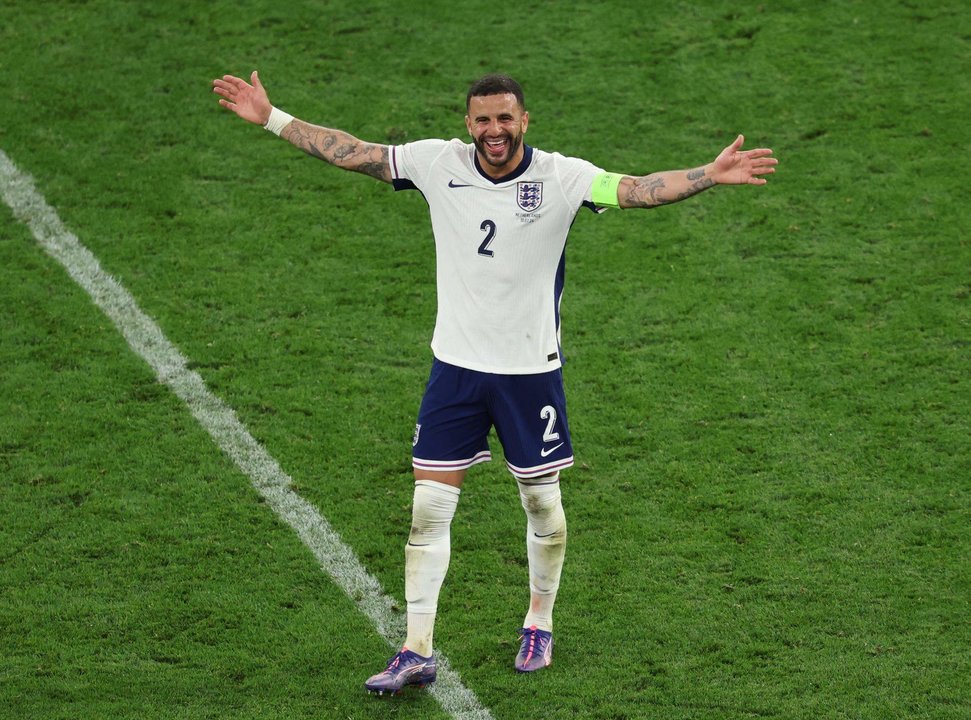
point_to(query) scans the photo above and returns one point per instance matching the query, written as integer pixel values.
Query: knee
(544, 509)
(432, 511)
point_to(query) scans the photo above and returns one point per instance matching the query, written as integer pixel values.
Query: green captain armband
(604, 189)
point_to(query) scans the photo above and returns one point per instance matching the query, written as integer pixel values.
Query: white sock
(421, 628)
(545, 548)
(426, 559)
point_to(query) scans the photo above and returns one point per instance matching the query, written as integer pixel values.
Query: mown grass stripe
(146, 338)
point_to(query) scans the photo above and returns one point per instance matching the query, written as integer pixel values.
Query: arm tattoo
(377, 169)
(644, 192)
(341, 149)
(344, 152)
(653, 190)
(699, 183)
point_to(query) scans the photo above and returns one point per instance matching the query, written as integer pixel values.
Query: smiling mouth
(497, 147)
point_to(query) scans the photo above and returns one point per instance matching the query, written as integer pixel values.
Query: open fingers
(222, 89)
(229, 86)
(757, 152)
(763, 161)
(755, 173)
(239, 83)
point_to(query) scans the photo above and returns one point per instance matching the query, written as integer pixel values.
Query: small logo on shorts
(414, 440)
(546, 453)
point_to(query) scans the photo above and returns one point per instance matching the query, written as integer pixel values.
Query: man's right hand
(250, 102)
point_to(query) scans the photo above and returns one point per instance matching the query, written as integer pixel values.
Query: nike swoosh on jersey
(544, 452)
(453, 184)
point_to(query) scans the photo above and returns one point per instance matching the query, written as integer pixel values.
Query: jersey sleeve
(411, 162)
(576, 178)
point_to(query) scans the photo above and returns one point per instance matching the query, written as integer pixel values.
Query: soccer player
(501, 211)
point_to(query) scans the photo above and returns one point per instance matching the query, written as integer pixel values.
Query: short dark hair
(495, 84)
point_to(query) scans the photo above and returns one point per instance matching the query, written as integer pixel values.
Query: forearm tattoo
(653, 190)
(646, 191)
(699, 181)
(341, 149)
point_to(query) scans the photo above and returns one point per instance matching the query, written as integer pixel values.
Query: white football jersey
(499, 251)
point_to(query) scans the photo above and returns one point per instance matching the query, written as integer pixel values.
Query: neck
(498, 171)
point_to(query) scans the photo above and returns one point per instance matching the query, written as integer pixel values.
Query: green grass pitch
(770, 388)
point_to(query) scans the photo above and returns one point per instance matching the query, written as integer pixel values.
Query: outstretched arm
(337, 147)
(733, 166)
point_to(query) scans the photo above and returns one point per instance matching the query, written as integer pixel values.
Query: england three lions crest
(529, 195)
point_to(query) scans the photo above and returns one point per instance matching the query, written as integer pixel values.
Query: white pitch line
(171, 367)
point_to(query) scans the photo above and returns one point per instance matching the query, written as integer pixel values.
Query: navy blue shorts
(460, 406)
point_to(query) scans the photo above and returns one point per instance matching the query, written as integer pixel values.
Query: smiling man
(501, 212)
(497, 124)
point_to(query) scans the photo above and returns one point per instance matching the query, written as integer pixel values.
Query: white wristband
(277, 121)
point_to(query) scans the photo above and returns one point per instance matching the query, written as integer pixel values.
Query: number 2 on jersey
(490, 229)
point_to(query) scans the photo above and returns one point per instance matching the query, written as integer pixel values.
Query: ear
(468, 124)
(525, 121)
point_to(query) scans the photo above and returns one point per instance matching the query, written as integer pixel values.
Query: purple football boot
(535, 649)
(405, 668)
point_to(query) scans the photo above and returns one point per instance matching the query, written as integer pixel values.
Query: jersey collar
(520, 169)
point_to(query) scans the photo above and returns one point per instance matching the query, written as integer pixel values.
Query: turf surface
(770, 387)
